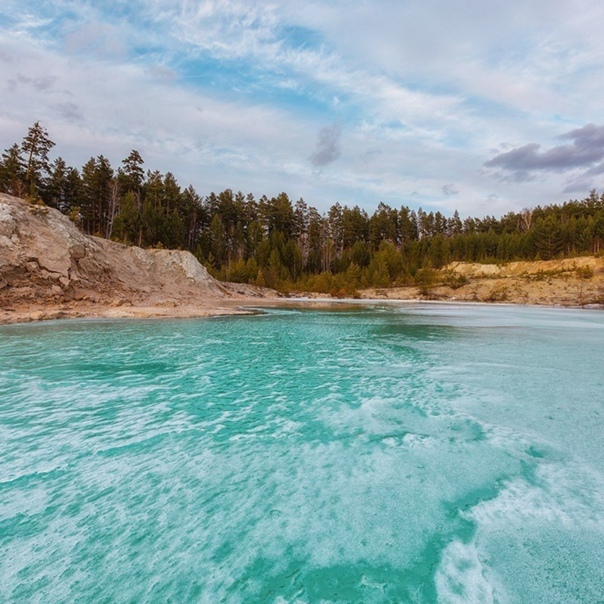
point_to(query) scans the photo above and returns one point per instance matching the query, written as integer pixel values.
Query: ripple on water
(372, 456)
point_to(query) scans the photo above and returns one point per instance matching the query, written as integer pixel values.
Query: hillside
(567, 282)
(47, 263)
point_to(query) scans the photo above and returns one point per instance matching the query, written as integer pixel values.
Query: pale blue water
(414, 454)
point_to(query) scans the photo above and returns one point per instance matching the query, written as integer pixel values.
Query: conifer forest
(285, 244)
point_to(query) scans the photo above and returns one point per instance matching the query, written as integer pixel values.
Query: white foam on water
(569, 495)
(461, 577)
(363, 462)
(28, 503)
(543, 537)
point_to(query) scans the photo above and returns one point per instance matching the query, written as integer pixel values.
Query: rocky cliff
(45, 259)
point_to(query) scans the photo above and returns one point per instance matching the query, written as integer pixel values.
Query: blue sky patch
(413, 100)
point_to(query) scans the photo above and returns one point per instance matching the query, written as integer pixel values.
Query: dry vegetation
(568, 282)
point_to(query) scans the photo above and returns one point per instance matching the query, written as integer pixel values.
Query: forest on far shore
(288, 245)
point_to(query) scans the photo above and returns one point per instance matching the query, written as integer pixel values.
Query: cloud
(6, 57)
(585, 153)
(40, 84)
(161, 72)
(225, 93)
(328, 146)
(100, 39)
(521, 56)
(587, 148)
(69, 111)
(585, 181)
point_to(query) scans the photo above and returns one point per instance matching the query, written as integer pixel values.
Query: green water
(385, 454)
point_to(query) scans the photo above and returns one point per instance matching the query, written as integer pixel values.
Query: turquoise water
(424, 453)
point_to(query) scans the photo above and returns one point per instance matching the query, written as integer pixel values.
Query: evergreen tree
(547, 236)
(97, 177)
(12, 172)
(35, 148)
(132, 175)
(63, 188)
(126, 225)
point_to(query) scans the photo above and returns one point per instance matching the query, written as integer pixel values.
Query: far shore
(48, 312)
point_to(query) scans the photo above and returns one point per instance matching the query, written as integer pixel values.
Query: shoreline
(50, 270)
(224, 308)
(50, 312)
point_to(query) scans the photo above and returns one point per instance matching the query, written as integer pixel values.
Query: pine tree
(59, 191)
(12, 171)
(97, 176)
(35, 147)
(132, 175)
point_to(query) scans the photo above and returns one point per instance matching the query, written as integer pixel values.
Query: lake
(370, 453)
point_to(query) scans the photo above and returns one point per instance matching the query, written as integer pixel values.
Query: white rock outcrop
(45, 257)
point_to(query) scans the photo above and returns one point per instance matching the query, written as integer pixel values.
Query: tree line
(284, 244)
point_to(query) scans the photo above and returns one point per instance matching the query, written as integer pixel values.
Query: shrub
(454, 280)
(425, 279)
(584, 272)
(498, 294)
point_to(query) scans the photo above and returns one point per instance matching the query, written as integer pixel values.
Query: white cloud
(424, 91)
(125, 106)
(100, 39)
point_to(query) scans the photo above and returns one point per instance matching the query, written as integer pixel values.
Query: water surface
(385, 454)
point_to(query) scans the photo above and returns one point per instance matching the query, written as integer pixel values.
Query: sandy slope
(569, 282)
(50, 269)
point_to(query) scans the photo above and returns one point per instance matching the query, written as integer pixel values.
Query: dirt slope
(45, 260)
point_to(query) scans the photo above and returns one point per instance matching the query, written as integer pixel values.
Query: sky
(483, 107)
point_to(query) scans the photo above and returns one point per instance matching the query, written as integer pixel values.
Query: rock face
(44, 258)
